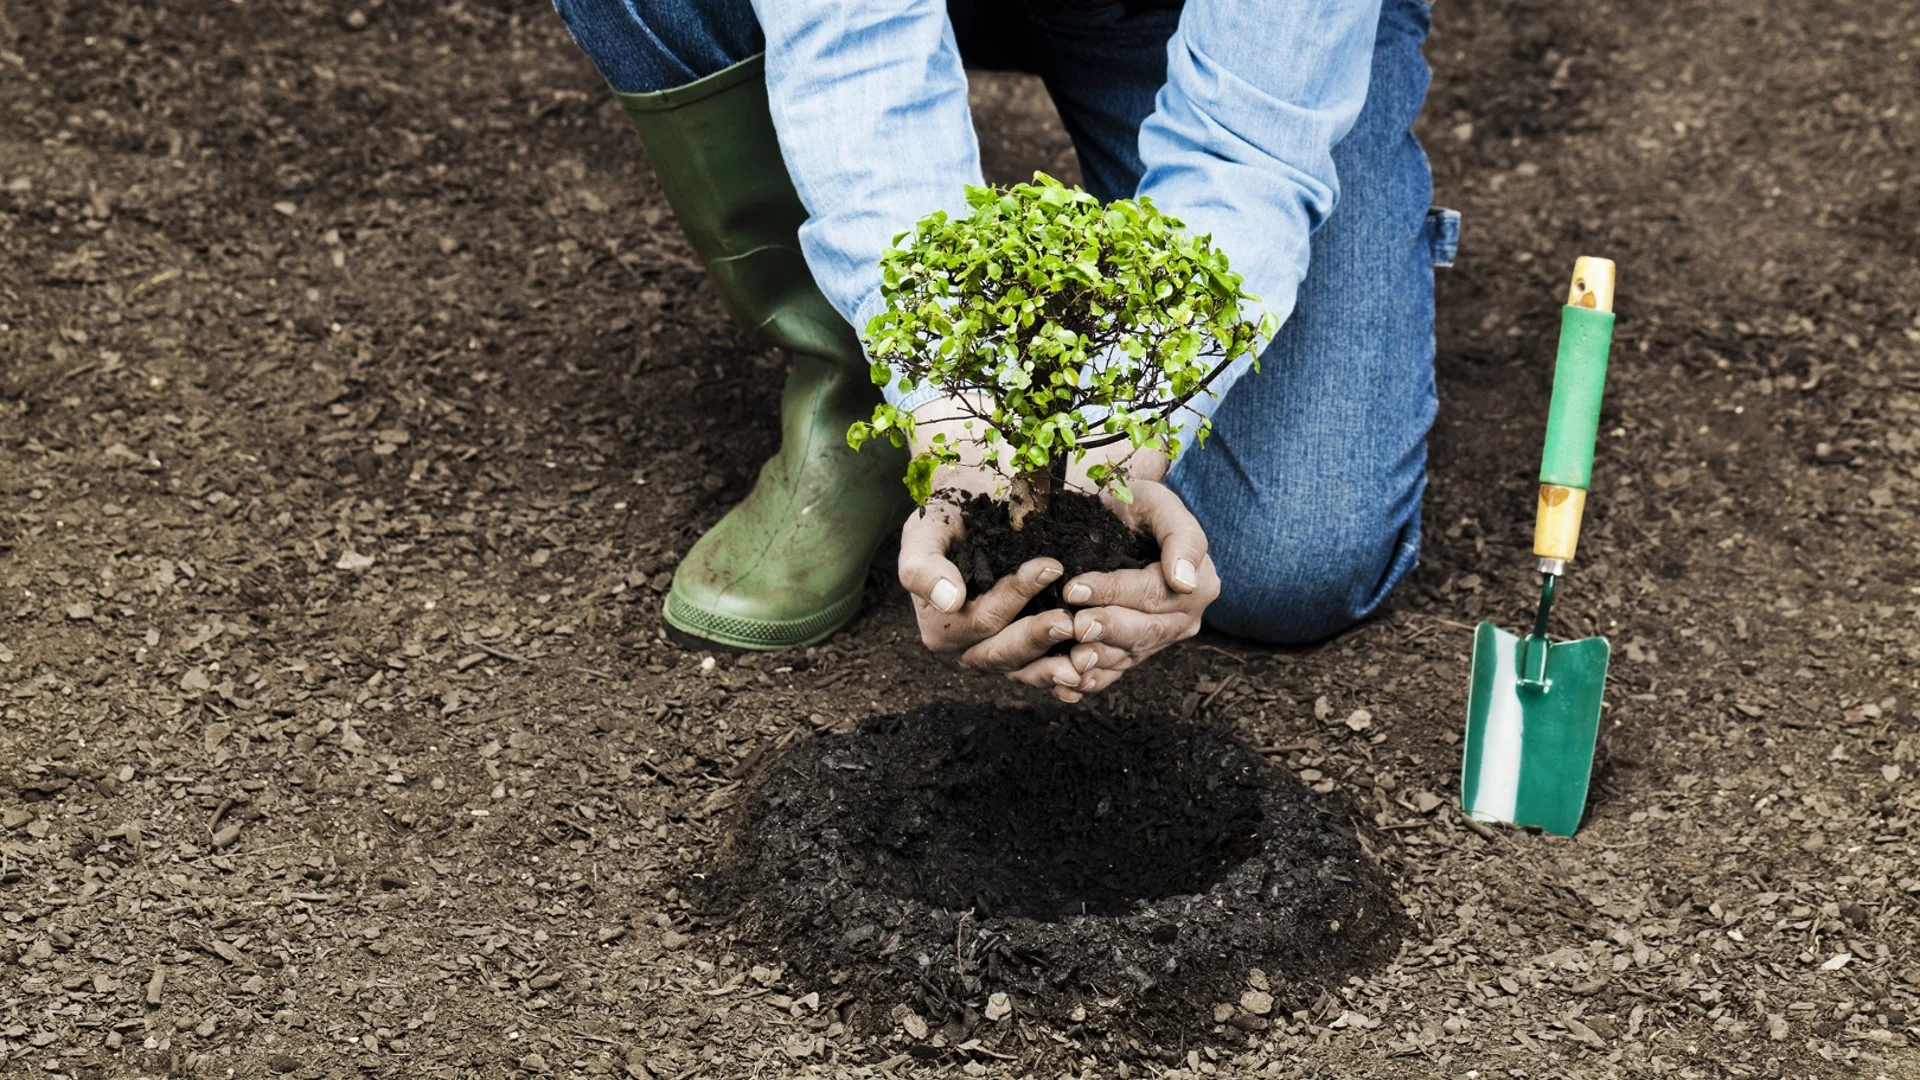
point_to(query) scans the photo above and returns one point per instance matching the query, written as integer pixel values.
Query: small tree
(1060, 325)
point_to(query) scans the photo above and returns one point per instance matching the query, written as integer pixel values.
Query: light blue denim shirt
(870, 100)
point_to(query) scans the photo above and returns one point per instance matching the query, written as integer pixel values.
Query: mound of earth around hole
(1092, 868)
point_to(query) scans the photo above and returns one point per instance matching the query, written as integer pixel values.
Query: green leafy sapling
(1057, 325)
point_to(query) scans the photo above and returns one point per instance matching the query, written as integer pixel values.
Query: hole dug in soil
(1129, 868)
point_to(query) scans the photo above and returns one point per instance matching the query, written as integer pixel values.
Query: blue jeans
(1309, 486)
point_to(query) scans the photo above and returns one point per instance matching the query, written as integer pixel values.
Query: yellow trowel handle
(1573, 418)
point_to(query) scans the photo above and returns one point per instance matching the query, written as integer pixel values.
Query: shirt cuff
(1200, 408)
(1187, 419)
(907, 401)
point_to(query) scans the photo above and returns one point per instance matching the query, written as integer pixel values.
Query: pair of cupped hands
(1119, 618)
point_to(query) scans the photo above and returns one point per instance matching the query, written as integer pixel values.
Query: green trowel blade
(1529, 748)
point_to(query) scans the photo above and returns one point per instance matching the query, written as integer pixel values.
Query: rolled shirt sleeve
(1240, 142)
(870, 102)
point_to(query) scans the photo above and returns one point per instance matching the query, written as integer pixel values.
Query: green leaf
(919, 478)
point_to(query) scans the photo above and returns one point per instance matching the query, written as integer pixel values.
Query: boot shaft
(716, 155)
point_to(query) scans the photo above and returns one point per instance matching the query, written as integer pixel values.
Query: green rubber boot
(786, 567)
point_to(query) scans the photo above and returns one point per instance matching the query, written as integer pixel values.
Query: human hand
(1125, 617)
(1128, 615)
(986, 631)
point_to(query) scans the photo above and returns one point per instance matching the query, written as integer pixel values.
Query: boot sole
(758, 635)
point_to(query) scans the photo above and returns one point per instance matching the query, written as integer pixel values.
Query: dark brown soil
(357, 396)
(1076, 528)
(1080, 863)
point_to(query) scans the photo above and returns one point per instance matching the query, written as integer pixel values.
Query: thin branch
(1168, 410)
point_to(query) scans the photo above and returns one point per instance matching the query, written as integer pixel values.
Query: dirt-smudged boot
(787, 566)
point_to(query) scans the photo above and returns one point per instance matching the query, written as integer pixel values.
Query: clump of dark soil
(1066, 858)
(1076, 528)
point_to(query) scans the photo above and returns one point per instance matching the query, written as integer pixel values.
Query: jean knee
(1291, 586)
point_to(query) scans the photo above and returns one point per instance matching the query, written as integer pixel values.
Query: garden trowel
(1533, 712)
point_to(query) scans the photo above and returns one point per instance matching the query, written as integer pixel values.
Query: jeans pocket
(1443, 234)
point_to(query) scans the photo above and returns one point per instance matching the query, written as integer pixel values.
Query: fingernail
(946, 595)
(1094, 630)
(1050, 575)
(1082, 663)
(1078, 594)
(1059, 633)
(1183, 573)
(1069, 681)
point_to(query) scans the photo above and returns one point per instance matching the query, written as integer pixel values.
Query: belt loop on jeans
(1443, 235)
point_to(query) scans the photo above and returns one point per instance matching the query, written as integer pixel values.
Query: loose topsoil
(358, 394)
(1076, 528)
(1081, 865)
